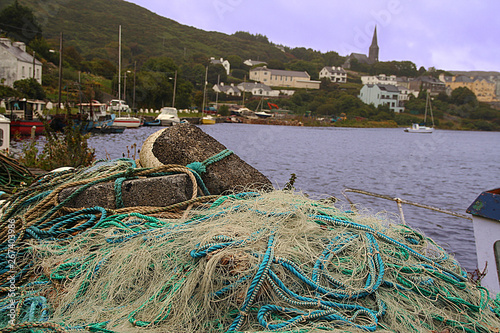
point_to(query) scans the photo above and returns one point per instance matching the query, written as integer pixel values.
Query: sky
(459, 35)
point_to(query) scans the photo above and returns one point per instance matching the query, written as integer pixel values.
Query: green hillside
(91, 26)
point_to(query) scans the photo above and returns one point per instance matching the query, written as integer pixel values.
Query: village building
(17, 64)
(380, 79)
(380, 94)
(372, 57)
(222, 62)
(334, 74)
(427, 83)
(251, 63)
(484, 88)
(258, 89)
(230, 90)
(283, 78)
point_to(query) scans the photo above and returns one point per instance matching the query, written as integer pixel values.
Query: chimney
(5, 41)
(20, 45)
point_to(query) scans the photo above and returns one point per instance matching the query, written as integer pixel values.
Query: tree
(19, 23)
(214, 71)
(29, 88)
(463, 95)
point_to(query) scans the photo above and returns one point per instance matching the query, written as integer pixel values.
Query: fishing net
(246, 262)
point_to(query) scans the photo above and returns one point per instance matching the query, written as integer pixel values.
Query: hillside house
(17, 64)
(221, 61)
(484, 88)
(258, 89)
(379, 94)
(230, 90)
(427, 83)
(380, 79)
(251, 63)
(283, 78)
(334, 74)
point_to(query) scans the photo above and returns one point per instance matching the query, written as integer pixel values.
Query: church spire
(373, 53)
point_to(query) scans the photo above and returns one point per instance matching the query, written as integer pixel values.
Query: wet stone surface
(185, 143)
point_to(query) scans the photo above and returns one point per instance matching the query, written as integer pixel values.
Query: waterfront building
(379, 94)
(17, 64)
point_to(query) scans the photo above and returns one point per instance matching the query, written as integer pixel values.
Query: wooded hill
(91, 26)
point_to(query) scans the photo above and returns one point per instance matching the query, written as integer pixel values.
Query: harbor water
(445, 169)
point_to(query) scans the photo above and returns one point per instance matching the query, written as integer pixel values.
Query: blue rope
(199, 168)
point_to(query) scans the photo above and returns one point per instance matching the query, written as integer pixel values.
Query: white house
(334, 74)
(251, 63)
(230, 90)
(224, 63)
(258, 89)
(17, 64)
(380, 79)
(283, 78)
(378, 94)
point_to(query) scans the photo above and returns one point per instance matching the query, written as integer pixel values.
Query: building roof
(251, 62)
(223, 88)
(335, 70)
(20, 54)
(248, 86)
(463, 78)
(428, 79)
(384, 87)
(282, 72)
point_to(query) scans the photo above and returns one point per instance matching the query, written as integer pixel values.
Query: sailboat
(206, 119)
(120, 105)
(419, 128)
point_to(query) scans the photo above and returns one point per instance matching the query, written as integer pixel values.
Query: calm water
(446, 169)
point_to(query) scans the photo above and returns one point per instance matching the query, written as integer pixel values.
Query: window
(1, 137)
(22, 71)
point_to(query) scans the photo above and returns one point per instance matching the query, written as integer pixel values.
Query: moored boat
(208, 120)
(168, 116)
(22, 114)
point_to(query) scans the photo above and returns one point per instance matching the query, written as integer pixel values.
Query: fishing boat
(485, 212)
(22, 114)
(93, 115)
(168, 116)
(422, 128)
(4, 133)
(155, 122)
(208, 120)
(119, 106)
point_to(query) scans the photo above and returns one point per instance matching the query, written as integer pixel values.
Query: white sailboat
(418, 128)
(125, 121)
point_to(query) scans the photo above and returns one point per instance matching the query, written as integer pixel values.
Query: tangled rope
(250, 262)
(12, 174)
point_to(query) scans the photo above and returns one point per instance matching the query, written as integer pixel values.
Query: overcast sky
(446, 34)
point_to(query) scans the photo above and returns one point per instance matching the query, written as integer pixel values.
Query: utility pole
(60, 71)
(133, 98)
(175, 86)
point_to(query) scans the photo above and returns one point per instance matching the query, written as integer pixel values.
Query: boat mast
(119, 69)
(204, 91)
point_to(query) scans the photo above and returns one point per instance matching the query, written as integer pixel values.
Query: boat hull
(23, 127)
(131, 122)
(208, 121)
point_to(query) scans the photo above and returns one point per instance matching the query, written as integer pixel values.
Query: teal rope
(199, 168)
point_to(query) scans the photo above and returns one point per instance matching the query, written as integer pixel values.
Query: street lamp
(60, 70)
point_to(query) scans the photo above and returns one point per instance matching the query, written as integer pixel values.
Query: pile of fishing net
(275, 261)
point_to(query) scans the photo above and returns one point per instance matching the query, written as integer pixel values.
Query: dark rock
(185, 143)
(155, 191)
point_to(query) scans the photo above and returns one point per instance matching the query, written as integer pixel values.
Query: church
(362, 58)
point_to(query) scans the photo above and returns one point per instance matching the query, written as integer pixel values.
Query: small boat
(4, 133)
(422, 128)
(156, 122)
(208, 120)
(22, 116)
(168, 116)
(116, 105)
(263, 114)
(108, 129)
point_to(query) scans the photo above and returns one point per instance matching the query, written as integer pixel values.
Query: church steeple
(373, 53)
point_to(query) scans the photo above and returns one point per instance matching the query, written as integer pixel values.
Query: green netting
(249, 262)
